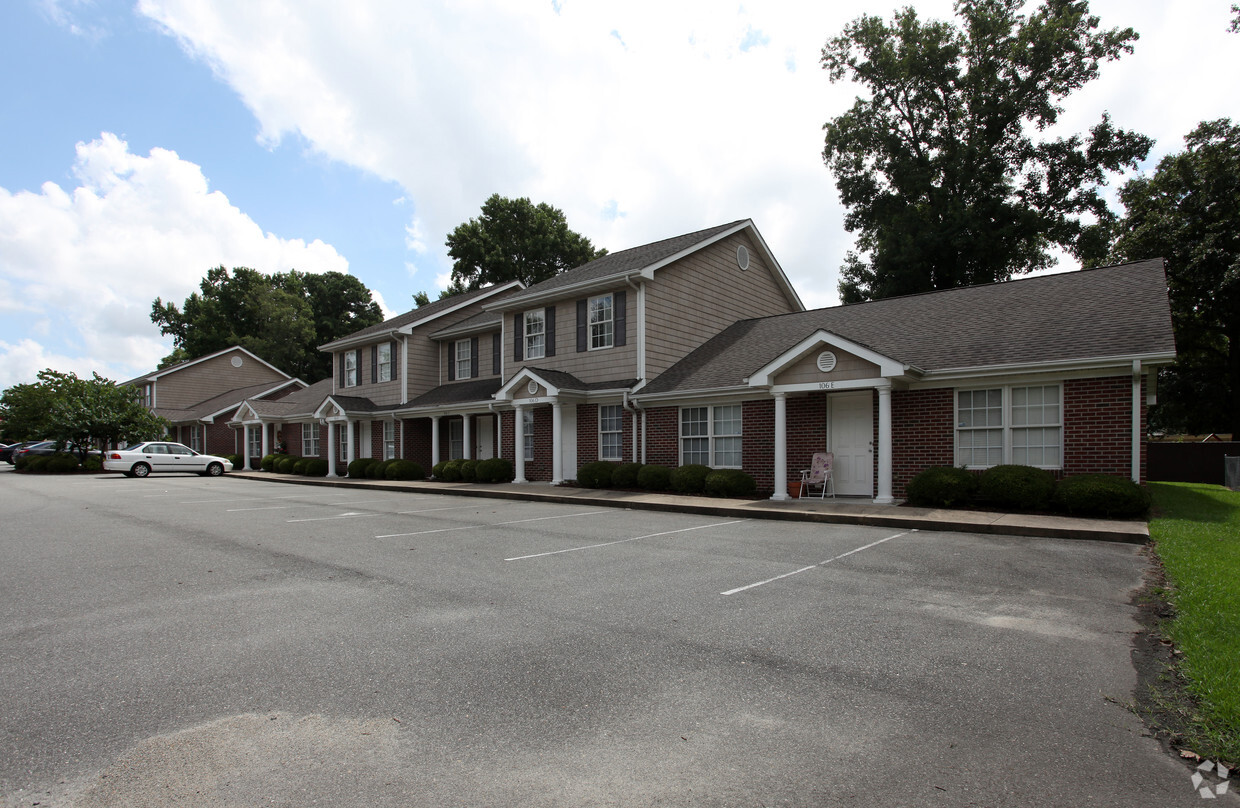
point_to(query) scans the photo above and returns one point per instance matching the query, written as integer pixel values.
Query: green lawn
(1196, 533)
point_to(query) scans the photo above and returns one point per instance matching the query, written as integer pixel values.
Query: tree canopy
(514, 239)
(939, 168)
(76, 413)
(1188, 212)
(282, 318)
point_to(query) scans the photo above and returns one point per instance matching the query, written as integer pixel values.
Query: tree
(282, 318)
(943, 180)
(514, 239)
(1188, 212)
(78, 413)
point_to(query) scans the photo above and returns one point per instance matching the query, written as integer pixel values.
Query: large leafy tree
(282, 317)
(514, 239)
(77, 413)
(1188, 212)
(945, 180)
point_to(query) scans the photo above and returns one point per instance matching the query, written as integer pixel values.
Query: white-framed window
(711, 435)
(602, 322)
(256, 440)
(389, 440)
(1018, 424)
(195, 437)
(384, 362)
(535, 334)
(456, 439)
(463, 352)
(309, 440)
(527, 433)
(148, 396)
(611, 432)
(350, 369)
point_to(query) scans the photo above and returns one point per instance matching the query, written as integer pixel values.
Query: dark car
(9, 453)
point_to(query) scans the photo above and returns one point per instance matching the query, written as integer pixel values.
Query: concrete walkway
(837, 511)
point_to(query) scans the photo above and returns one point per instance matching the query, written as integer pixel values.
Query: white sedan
(145, 458)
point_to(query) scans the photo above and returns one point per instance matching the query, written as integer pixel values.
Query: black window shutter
(495, 354)
(374, 364)
(473, 357)
(340, 359)
(518, 336)
(395, 363)
(618, 318)
(583, 326)
(451, 361)
(357, 364)
(549, 314)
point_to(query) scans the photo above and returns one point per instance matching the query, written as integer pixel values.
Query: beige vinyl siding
(847, 366)
(199, 382)
(697, 297)
(603, 364)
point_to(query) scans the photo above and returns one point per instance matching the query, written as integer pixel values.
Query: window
(389, 440)
(456, 439)
(527, 433)
(1021, 425)
(711, 436)
(464, 368)
(384, 362)
(148, 398)
(195, 438)
(256, 441)
(350, 369)
(535, 334)
(602, 322)
(611, 432)
(309, 440)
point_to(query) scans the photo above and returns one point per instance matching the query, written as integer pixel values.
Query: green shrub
(377, 469)
(315, 467)
(451, 471)
(234, 459)
(357, 469)
(495, 470)
(624, 475)
(596, 474)
(1017, 487)
(690, 479)
(437, 469)
(404, 470)
(942, 487)
(36, 463)
(1101, 495)
(268, 463)
(732, 483)
(299, 466)
(654, 478)
(284, 464)
(20, 463)
(61, 463)
(469, 471)
(92, 463)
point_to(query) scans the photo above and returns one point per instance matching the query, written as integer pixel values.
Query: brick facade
(1097, 431)
(922, 433)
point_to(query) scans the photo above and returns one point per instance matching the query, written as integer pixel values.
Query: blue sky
(148, 141)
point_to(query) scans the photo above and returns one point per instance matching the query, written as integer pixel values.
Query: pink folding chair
(819, 475)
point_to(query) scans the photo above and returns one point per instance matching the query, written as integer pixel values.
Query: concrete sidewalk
(837, 511)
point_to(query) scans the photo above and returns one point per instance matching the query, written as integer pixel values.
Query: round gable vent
(742, 257)
(236, 361)
(826, 361)
(532, 387)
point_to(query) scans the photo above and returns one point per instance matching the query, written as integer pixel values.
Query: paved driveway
(228, 642)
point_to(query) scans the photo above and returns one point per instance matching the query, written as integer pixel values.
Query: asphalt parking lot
(220, 642)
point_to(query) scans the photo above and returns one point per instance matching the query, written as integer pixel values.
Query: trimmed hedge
(285, 463)
(596, 475)
(654, 478)
(942, 487)
(1101, 495)
(437, 469)
(92, 463)
(732, 483)
(403, 470)
(624, 475)
(1018, 487)
(495, 470)
(690, 479)
(299, 467)
(451, 472)
(268, 463)
(469, 471)
(357, 469)
(314, 467)
(378, 470)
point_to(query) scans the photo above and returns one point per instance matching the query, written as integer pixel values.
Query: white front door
(484, 448)
(851, 437)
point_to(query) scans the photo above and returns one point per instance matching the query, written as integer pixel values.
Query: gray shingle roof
(484, 321)
(1105, 312)
(300, 403)
(458, 393)
(623, 262)
(567, 381)
(411, 317)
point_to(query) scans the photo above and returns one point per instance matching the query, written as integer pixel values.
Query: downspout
(499, 429)
(1136, 420)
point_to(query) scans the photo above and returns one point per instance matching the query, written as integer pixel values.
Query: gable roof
(643, 260)
(300, 403)
(1118, 313)
(422, 314)
(180, 366)
(226, 402)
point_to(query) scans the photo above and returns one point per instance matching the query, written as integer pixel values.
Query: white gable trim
(887, 367)
(167, 371)
(524, 375)
(331, 410)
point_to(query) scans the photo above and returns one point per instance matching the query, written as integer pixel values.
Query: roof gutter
(518, 301)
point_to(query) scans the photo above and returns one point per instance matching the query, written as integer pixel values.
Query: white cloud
(85, 264)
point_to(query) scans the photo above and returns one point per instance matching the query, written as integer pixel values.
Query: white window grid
(464, 365)
(1012, 424)
(527, 433)
(711, 436)
(611, 432)
(195, 438)
(384, 354)
(535, 334)
(309, 440)
(256, 441)
(456, 439)
(389, 440)
(602, 322)
(350, 369)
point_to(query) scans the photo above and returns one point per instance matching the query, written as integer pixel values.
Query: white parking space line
(815, 566)
(483, 527)
(337, 516)
(264, 508)
(622, 541)
(431, 510)
(233, 499)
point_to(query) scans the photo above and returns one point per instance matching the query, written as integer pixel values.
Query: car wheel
(140, 470)
(215, 470)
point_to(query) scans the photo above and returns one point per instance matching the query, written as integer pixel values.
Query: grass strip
(1196, 534)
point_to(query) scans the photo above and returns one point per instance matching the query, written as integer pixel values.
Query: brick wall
(663, 438)
(922, 434)
(415, 436)
(758, 442)
(1098, 426)
(588, 435)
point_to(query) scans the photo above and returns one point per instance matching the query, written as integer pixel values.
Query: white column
(1136, 420)
(781, 447)
(884, 447)
(245, 448)
(349, 448)
(518, 445)
(331, 449)
(557, 444)
(435, 440)
(499, 435)
(266, 443)
(467, 437)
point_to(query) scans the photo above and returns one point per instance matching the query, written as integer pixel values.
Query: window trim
(456, 438)
(255, 446)
(389, 440)
(195, 437)
(462, 366)
(592, 324)
(618, 432)
(383, 368)
(527, 433)
(711, 437)
(1006, 427)
(351, 373)
(309, 440)
(541, 316)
